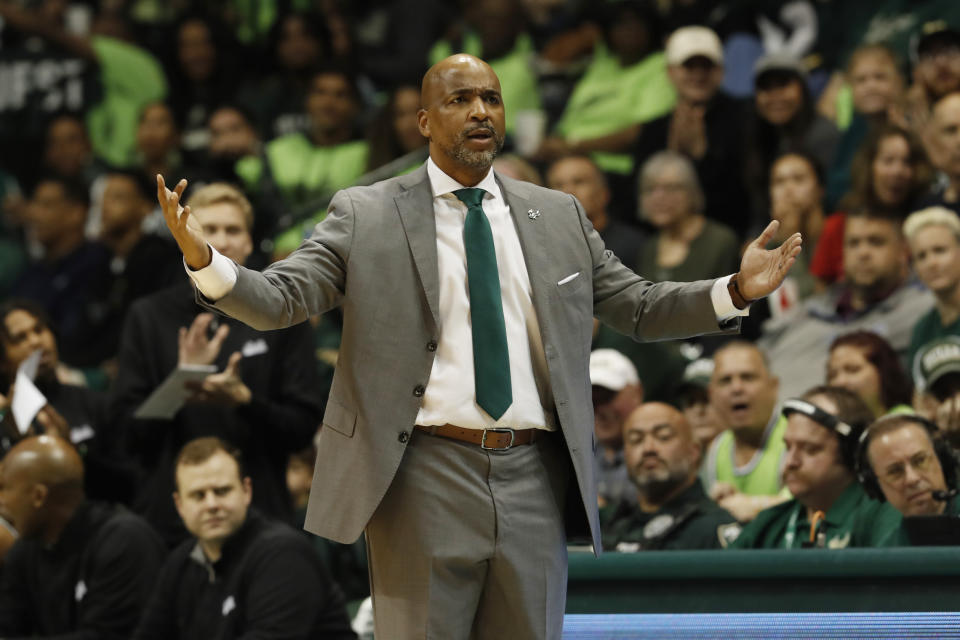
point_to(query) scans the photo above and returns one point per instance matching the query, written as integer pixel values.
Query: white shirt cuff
(218, 278)
(722, 302)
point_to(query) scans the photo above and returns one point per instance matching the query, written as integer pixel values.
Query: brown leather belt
(496, 439)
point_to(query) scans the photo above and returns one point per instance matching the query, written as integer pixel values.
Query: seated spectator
(240, 575)
(933, 235)
(784, 120)
(872, 97)
(937, 372)
(101, 73)
(203, 76)
(141, 263)
(671, 511)
(876, 294)
(233, 138)
(62, 280)
(617, 391)
(742, 467)
(936, 71)
(296, 44)
(73, 412)
(158, 142)
(706, 125)
(625, 86)
(796, 201)
(579, 176)
(890, 174)
(686, 245)
(829, 508)
(79, 569)
(496, 31)
(394, 134)
(692, 397)
(943, 146)
(68, 152)
(303, 169)
(263, 401)
(866, 364)
(903, 460)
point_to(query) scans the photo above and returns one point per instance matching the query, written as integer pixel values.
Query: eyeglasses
(921, 462)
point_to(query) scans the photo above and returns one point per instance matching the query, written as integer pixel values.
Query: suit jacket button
(403, 437)
(418, 390)
(431, 346)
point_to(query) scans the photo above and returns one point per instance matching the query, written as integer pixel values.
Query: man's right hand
(184, 227)
(194, 347)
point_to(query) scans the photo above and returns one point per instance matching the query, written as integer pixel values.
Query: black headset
(944, 452)
(847, 434)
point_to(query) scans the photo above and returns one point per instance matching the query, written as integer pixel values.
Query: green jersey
(854, 520)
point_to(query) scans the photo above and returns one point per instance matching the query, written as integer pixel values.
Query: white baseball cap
(612, 370)
(688, 42)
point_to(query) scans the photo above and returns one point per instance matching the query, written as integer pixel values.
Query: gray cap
(935, 361)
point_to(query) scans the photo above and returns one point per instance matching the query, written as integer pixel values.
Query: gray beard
(476, 159)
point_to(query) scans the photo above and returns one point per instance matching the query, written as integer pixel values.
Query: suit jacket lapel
(415, 205)
(533, 241)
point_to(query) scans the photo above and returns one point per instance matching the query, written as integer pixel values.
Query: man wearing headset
(904, 460)
(829, 508)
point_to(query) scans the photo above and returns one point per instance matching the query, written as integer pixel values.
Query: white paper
(172, 393)
(27, 399)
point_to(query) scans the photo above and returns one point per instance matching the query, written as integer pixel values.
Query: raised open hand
(763, 270)
(194, 347)
(184, 227)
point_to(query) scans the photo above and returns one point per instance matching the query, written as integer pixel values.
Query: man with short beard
(662, 458)
(829, 509)
(459, 416)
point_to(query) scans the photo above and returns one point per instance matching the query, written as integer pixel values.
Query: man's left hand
(224, 388)
(763, 270)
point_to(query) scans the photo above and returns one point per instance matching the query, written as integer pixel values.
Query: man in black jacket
(80, 570)
(705, 125)
(243, 576)
(264, 401)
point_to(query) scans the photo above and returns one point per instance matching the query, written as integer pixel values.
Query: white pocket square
(568, 278)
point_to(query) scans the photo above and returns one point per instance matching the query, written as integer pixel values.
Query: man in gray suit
(468, 301)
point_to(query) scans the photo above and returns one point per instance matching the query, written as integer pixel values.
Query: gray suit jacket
(375, 254)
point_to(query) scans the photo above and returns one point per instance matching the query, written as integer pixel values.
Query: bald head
(41, 486)
(660, 452)
(46, 460)
(451, 70)
(463, 116)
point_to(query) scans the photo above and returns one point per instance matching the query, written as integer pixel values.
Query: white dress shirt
(449, 396)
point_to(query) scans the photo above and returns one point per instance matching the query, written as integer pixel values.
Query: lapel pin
(533, 214)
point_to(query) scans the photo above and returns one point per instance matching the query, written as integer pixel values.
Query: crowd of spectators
(682, 127)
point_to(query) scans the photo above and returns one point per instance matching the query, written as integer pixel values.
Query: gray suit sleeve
(311, 281)
(645, 310)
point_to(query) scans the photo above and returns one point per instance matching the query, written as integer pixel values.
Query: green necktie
(491, 362)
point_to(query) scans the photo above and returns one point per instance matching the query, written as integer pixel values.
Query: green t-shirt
(131, 79)
(928, 328)
(760, 476)
(610, 97)
(854, 520)
(518, 82)
(303, 174)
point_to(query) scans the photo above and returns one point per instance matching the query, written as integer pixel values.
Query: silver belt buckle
(483, 440)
